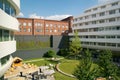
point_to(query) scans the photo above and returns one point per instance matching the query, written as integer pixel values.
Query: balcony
(8, 22)
(7, 47)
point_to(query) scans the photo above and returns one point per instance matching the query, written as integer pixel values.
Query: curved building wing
(9, 9)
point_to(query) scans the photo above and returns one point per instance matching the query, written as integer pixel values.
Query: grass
(68, 66)
(57, 75)
(42, 62)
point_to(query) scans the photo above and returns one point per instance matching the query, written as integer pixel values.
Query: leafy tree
(85, 70)
(50, 54)
(75, 45)
(63, 52)
(107, 67)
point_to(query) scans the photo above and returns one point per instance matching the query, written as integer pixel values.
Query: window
(86, 23)
(47, 25)
(24, 24)
(111, 44)
(38, 30)
(112, 20)
(11, 36)
(29, 29)
(101, 36)
(118, 18)
(108, 37)
(55, 30)
(0, 35)
(75, 19)
(93, 15)
(93, 22)
(101, 21)
(80, 24)
(29, 24)
(102, 13)
(6, 35)
(62, 26)
(20, 29)
(4, 60)
(12, 11)
(46, 30)
(58, 26)
(114, 4)
(112, 12)
(25, 30)
(7, 7)
(51, 25)
(1, 4)
(80, 18)
(118, 36)
(102, 7)
(86, 17)
(50, 31)
(92, 36)
(118, 27)
(100, 29)
(118, 45)
(94, 9)
(66, 26)
(101, 44)
(87, 11)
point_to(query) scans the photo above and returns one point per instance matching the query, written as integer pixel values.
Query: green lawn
(58, 76)
(68, 66)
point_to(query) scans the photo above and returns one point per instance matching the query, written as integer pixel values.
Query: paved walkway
(33, 60)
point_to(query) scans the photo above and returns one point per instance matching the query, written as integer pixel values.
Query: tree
(85, 70)
(107, 67)
(75, 45)
(63, 52)
(50, 54)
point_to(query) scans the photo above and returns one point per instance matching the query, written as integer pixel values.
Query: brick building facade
(30, 26)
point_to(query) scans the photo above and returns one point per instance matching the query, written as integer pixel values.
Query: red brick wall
(43, 27)
(24, 30)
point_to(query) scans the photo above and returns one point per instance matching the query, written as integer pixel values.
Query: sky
(55, 9)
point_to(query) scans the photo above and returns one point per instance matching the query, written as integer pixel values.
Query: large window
(4, 59)
(7, 7)
(6, 35)
(1, 4)
(112, 12)
(12, 11)
(102, 13)
(0, 35)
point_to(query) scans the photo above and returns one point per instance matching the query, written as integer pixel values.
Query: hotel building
(99, 26)
(34, 26)
(8, 24)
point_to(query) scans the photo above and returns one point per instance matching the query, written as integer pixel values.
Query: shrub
(50, 54)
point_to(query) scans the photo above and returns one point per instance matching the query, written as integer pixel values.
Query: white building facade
(9, 9)
(99, 27)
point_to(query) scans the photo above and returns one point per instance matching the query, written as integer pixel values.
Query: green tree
(50, 54)
(75, 45)
(85, 70)
(107, 67)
